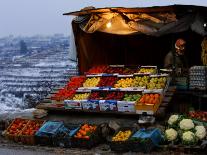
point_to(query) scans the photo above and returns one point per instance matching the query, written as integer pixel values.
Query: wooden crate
(29, 139)
(14, 137)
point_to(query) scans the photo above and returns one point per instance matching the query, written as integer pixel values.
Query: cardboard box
(108, 105)
(125, 106)
(92, 105)
(73, 104)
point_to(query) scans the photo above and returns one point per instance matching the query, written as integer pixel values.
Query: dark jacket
(177, 62)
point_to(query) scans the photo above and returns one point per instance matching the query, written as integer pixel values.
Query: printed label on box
(72, 104)
(108, 105)
(91, 105)
(124, 106)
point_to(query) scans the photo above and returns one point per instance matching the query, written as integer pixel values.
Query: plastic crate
(145, 140)
(64, 135)
(94, 140)
(47, 132)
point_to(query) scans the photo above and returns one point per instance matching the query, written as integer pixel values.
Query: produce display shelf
(50, 108)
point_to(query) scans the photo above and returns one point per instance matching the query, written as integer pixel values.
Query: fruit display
(114, 96)
(17, 126)
(32, 127)
(75, 82)
(112, 70)
(85, 131)
(140, 81)
(107, 81)
(150, 99)
(69, 90)
(81, 96)
(124, 83)
(122, 136)
(97, 69)
(200, 115)
(63, 94)
(91, 82)
(131, 97)
(129, 71)
(157, 83)
(97, 95)
(148, 70)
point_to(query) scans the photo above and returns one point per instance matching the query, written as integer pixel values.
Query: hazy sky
(30, 17)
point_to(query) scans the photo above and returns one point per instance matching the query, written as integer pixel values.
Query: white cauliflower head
(172, 119)
(200, 132)
(186, 124)
(171, 134)
(188, 136)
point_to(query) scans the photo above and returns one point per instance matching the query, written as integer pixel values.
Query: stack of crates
(198, 77)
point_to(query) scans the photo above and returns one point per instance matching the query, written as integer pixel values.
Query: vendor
(176, 59)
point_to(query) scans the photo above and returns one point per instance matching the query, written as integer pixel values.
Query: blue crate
(145, 140)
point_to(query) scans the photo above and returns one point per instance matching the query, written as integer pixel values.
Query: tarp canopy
(115, 35)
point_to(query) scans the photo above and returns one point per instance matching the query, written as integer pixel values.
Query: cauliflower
(200, 132)
(186, 124)
(188, 137)
(171, 134)
(172, 119)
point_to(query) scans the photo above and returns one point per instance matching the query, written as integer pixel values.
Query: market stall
(120, 54)
(115, 59)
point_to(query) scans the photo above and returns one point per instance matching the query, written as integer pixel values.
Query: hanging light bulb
(108, 25)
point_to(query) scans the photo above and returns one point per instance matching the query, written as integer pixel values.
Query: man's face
(180, 49)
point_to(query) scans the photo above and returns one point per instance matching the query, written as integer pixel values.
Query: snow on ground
(55, 64)
(11, 107)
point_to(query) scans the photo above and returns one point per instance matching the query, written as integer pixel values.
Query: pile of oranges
(32, 127)
(17, 126)
(85, 131)
(150, 99)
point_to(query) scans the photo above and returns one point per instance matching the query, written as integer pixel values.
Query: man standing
(176, 59)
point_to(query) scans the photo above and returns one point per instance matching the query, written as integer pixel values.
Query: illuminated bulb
(205, 25)
(108, 25)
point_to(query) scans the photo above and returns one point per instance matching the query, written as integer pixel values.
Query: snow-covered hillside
(45, 67)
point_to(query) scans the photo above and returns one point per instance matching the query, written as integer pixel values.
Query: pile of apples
(96, 96)
(114, 96)
(91, 82)
(128, 71)
(131, 97)
(157, 83)
(107, 81)
(97, 69)
(140, 81)
(150, 99)
(124, 83)
(201, 115)
(147, 70)
(32, 127)
(17, 126)
(111, 70)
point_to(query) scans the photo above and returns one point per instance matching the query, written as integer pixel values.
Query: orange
(157, 95)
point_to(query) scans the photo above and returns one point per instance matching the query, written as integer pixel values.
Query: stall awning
(155, 21)
(133, 35)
